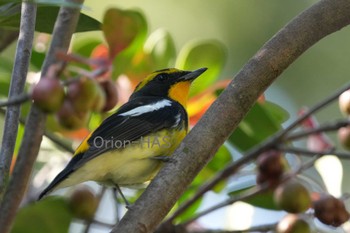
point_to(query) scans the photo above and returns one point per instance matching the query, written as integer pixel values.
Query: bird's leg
(118, 190)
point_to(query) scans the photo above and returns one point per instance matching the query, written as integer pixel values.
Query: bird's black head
(171, 83)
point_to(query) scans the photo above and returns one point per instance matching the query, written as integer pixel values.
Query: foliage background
(243, 26)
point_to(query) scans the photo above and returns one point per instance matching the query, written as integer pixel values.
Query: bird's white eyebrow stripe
(147, 108)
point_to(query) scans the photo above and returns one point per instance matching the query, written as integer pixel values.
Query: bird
(129, 147)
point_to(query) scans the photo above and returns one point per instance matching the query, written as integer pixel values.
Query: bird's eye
(162, 77)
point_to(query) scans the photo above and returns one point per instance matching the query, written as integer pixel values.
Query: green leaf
(262, 200)
(85, 47)
(219, 161)
(37, 59)
(161, 47)
(122, 28)
(46, 16)
(263, 120)
(189, 212)
(197, 54)
(49, 215)
(221, 158)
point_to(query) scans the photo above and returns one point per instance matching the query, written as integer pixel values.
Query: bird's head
(172, 83)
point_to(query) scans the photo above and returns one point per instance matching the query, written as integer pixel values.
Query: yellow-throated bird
(129, 146)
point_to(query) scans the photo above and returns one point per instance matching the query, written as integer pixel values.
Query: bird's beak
(193, 75)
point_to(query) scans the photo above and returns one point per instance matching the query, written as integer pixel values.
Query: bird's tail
(61, 176)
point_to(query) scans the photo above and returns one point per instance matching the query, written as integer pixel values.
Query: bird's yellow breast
(129, 164)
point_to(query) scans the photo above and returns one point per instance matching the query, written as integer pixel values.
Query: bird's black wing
(135, 119)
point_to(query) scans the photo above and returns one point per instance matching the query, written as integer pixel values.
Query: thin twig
(253, 192)
(64, 28)
(323, 128)
(15, 100)
(254, 153)
(51, 136)
(19, 74)
(242, 197)
(315, 108)
(306, 152)
(261, 228)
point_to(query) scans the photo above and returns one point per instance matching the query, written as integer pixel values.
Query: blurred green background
(244, 26)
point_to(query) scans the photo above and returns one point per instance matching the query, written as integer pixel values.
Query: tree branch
(261, 228)
(16, 99)
(322, 128)
(323, 18)
(254, 191)
(306, 152)
(63, 31)
(254, 153)
(18, 79)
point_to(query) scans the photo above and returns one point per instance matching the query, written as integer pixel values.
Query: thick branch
(325, 17)
(34, 128)
(18, 79)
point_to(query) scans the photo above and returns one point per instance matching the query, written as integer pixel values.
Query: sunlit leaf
(121, 28)
(49, 215)
(197, 54)
(200, 103)
(161, 47)
(46, 16)
(263, 120)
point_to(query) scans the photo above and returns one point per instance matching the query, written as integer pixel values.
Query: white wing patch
(147, 108)
(178, 119)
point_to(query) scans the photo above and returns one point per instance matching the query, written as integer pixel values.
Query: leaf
(84, 48)
(263, 120)
(219, 161)
(37, 59)
(189, 212)
(161, 47)
(121, 28)
(10, 15)
(197, 54)
(49, 215)
(247, 183)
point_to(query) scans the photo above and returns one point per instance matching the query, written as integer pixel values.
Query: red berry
(48, 94)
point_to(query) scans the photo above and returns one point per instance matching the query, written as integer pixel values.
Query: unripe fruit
(344, 102)
(69, 118)
(83, 94)
(292, 197)
(83, 203)
(111, 94)
(344, 137)
(48, 94)
(292, 223)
